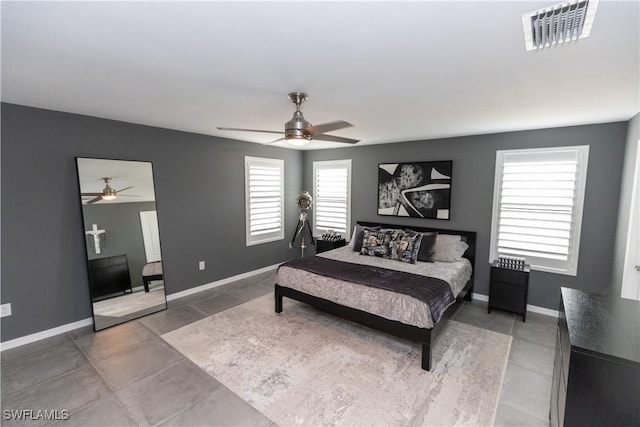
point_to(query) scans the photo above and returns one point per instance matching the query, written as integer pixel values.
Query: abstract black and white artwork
(421, 190)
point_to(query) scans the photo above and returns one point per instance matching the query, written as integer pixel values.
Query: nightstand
(508, 289)
(327, 245)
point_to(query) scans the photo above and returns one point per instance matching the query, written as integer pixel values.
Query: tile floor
(128, 376)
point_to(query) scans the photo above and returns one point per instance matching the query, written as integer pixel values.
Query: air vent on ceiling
(558, 24)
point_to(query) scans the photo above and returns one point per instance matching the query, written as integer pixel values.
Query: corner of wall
(624, 207)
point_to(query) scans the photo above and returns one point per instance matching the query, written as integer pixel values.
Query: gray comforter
(381, 302)
(435, 293)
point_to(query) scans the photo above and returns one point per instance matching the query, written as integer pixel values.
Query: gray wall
(626, 188)
(472, 194)
(123, 233)
(199, 183)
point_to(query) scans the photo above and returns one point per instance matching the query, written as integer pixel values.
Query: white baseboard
(531, 308)
(542, 310)
(28, 339)
(220, 282)
(480, 297)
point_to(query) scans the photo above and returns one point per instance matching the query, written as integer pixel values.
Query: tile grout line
(48, 380)
(111, 387)
(196, 309)
(52, 378)
(36, 353)
(143, 378)
(191, 405)
(205, 396)
(184, 358)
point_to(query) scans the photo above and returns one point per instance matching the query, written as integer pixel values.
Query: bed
(396, 311)
(151, 271)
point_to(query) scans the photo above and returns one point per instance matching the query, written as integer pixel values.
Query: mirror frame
(136, 314)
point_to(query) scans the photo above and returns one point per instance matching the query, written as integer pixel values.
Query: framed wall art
(418, 189)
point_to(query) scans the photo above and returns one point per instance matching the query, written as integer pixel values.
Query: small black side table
(327, 245)
(508, 289)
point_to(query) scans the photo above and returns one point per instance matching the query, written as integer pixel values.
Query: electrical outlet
(5, 310)
(201, 265)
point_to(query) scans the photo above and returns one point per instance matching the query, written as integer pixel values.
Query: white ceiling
(397, 71)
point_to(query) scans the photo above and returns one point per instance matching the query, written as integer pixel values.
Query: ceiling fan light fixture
(298, 140)
(108, 193)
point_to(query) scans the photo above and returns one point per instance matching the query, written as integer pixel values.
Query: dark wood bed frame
(422, 335)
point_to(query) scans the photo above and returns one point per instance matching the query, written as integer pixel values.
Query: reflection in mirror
(126, 279)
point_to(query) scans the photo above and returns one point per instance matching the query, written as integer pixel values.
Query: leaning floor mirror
(122, 240)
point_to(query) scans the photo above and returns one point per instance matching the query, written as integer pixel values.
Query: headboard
(469, 237)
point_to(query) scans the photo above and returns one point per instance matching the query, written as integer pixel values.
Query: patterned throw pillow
(396, 244)
(376, 243)
(405, 246)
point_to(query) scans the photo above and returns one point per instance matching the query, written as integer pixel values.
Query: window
(264, 189)
(537, 206)
(332, 197)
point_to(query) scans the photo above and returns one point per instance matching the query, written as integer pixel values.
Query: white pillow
(449, 248)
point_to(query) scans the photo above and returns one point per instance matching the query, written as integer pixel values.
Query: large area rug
(304, 367)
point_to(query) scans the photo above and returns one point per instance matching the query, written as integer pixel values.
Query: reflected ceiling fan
(108, 193)
(298, 131)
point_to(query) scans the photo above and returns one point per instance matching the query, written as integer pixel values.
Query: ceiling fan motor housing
(295, 128)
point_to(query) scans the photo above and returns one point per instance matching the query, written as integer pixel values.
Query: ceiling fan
(108, 193)
(298, 131)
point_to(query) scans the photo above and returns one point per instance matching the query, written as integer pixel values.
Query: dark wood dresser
(109, 276)
(596, 375)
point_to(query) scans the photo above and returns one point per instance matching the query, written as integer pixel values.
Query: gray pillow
(358, 235)
(427, 250)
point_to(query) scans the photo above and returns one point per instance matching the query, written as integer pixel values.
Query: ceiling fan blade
(277, 140)
(95, 199)
(92, 194)
(328, 127)
(126, 188)
(251, 130)
(332, 138)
